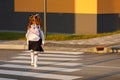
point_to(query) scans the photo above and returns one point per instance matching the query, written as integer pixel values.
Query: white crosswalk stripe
(47, 58)
(47, 63)
(56, 63)
(55, 55)
(61, 52)
(7, 79)
(38, 75)
(40, 68)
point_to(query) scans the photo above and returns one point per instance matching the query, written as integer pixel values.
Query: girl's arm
(42, 36)
(26, 35)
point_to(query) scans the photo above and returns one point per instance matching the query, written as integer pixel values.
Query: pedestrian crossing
(51, 65)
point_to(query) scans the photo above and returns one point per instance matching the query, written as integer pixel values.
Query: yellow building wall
(86, 16)
(69, 6)
(86, 6)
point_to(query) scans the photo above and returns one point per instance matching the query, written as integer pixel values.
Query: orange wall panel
(105, 6)
(116, 4)
(28, 5)
(61, 6)
(108, 6)
(53, 6)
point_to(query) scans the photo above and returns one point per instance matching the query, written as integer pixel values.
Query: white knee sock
(35, 58)
(32, 57)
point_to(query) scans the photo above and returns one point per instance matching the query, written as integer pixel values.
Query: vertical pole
(45, 10)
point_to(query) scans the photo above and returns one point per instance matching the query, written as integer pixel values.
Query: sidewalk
(69, 45)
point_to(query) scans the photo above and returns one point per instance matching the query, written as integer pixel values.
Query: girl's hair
(34, 18)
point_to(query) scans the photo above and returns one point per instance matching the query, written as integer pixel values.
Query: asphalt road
(15, 65)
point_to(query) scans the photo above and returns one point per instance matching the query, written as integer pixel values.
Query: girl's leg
(32, 58)
(35, 58)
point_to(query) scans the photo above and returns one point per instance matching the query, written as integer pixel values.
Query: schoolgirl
(35, 38)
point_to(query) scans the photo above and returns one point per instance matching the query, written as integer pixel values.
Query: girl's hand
(42, 45)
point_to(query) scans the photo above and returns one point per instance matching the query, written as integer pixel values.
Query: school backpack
(33, 34)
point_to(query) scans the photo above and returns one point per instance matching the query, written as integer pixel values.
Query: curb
(10, 46)
(46, 48)
(52, 47)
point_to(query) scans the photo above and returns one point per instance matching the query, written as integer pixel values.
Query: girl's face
(35, 20)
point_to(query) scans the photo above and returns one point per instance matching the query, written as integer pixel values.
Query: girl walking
(35, 38)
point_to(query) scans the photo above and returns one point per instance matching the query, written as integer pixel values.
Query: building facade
(63, 16)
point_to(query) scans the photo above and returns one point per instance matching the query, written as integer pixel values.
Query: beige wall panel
(28, 5)
(86, 24)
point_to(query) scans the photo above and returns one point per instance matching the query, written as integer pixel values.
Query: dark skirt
(35, 45)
